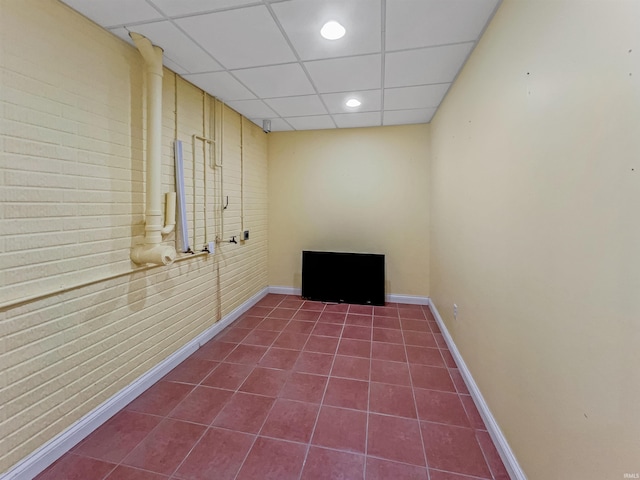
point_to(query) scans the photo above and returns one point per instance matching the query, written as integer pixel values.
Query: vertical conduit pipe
(152, 250)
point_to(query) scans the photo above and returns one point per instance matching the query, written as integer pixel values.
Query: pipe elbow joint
(155, 254)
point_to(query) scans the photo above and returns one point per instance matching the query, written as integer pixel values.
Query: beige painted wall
(352, 190)
(535, 182)
(71, 206)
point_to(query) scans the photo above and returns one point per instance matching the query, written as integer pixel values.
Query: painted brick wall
(72, 204)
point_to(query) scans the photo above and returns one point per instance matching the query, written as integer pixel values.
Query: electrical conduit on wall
(152, 250)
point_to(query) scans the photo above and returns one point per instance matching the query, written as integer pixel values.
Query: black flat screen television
(343, 277)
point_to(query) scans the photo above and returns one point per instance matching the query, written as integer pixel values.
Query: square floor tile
(454, 449)
(346, 393)
(244, 412)
(201, 405)
(291, 341)
(394, 438)
(441, 407)
(311, 362)
(165, 447)
(420, 339)
(304, 387)
(271, 459)
(271, 300)
(299, 327)
(160, 398)
(118, 436)
(378, 469)
(357, 332)
(214, 350)
(432, 378)
(440, 340)
(492, 456)
(448, 358)
(386, 322)
(291, 420)
(415, 325)
(323, 464)
(306, 315)
(475, 420)
(74, 467)
(327, 329)
(354, 348)
(310, 305)
(337, 318)
(414, 313)
(425, 356)
(264, 381)
(392, 400)
(248, 322)
(387, 335)
(260, 311)
(273, 324)
(260, 337)
(286, 313)
(341, 429)
(337, 307)
(219, 454)
(361, 309)
(359, 320)
(246, 354)
(192, 370)
(233, 334)
(130, 473)
(458, 381)
(294, 303)
(385, 312)
(351, 367)
(228, 375)
(322, 344)
(280, 358)
(388, 351)
(440, 475)
(396, 373)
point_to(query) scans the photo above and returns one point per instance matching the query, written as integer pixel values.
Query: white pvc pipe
(152, 251)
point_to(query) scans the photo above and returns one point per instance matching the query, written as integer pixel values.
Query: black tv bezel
(370, 289)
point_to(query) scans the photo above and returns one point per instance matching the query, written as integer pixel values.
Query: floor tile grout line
(366, 431)
(324, 393)
(415, 404)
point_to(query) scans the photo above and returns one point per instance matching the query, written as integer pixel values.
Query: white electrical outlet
(455, 311)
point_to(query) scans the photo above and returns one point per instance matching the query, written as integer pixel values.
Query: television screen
(343, 277)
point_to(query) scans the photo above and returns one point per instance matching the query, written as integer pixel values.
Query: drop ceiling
(267, 60)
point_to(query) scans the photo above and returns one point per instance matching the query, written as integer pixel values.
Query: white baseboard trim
(44, 456)
(284, 290)
(408, 299)
(395, 298)
(508, 458)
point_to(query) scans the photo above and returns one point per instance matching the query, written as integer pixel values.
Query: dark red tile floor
(301, 390)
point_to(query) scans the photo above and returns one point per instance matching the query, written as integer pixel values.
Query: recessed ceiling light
(353, 102)
(332, 30)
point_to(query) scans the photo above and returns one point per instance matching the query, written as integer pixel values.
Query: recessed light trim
(353, 103)
(332, 30)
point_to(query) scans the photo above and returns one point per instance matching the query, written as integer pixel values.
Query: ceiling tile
(318, 122)
(110, 13)
(424, 66)
(297, 106)
(276, 81)
(174, 8)
(344, 74)
(302, 22)
(245, 37)
(403, 117)
(221, 85)
(414, 97)
(277, 124)
(422, 23)
(177, 46)
(252, 108)
(335, 102)
(350, 120)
